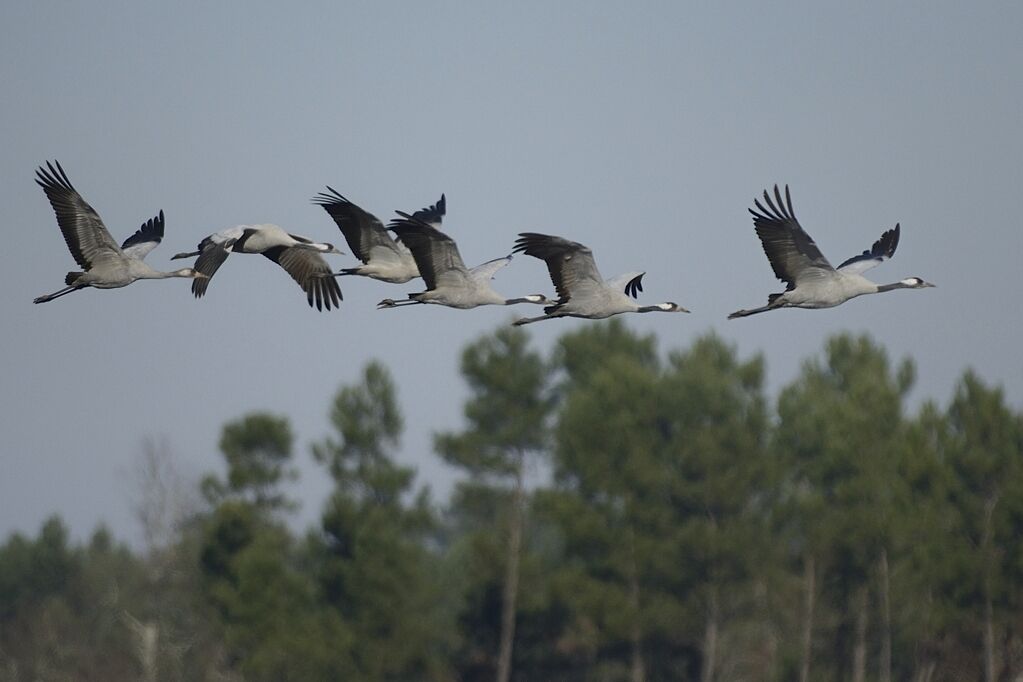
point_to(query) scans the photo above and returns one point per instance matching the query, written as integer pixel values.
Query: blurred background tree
(506, 414)
(375, 568)
(620, 515)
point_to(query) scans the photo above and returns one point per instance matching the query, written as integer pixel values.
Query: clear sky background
(643, 130)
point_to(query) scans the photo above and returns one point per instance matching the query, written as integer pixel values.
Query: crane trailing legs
(812, 281)
(449, 282)
(582, 291)
(105, 265)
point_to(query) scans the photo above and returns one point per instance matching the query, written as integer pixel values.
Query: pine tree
(612, 502)
(840, 437)
(506, 413)
(374, 567)
(716, 417)
(983, 451)
(266, 605)
(257, 451)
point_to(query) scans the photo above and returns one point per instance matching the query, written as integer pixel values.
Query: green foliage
(507, 407)
(973, 491)
(612, 500)
(273, 623)
(231, 528)
(257, 449)
(30, 572)
(580, 353)
(368, 424)
(370, 561)
(983, 437)
(666, 539)
(721, 480)
(60, 614)
(266, 606)
(506, 418)
(839, 437)
(661, 478)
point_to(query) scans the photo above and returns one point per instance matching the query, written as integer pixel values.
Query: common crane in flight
(811, 279)
(581, 289)
(448, 281)
(299, 256)
(383, 257)
(104, 264)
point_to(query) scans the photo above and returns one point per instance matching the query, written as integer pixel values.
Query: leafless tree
(163, 497)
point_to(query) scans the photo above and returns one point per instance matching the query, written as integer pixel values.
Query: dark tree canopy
(619, 513)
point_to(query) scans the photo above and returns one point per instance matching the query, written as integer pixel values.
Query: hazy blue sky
(643, 130)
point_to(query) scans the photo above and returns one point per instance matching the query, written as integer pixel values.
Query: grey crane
(581, 289)
(448, 281)
(299, 256)
(383, 257)
(811, 279)
(104, 264)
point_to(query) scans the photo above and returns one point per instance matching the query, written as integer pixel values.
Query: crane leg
(775, 303)
(345, 271)
(391, 303)
(56, 294)
(528, 320)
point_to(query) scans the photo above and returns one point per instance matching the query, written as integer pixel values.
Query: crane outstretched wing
(211, 257)
(365, 234)
(882, 250)
(791, 251)
(311, 271)
(84, 233)
(486, 271)
(435, 253)
(145, 239)
(362, 230)
(433, 215)
(570, 264)
(631, 283)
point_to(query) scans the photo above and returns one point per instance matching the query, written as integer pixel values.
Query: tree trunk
(637, 671)
(926, 672)
(989, 635)
(809, 578)
(928, 645)
(885, 664)
(859, 670)
(710, 639)
(146, 642)
(511, 580)
(989, 628)
(769, 651)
